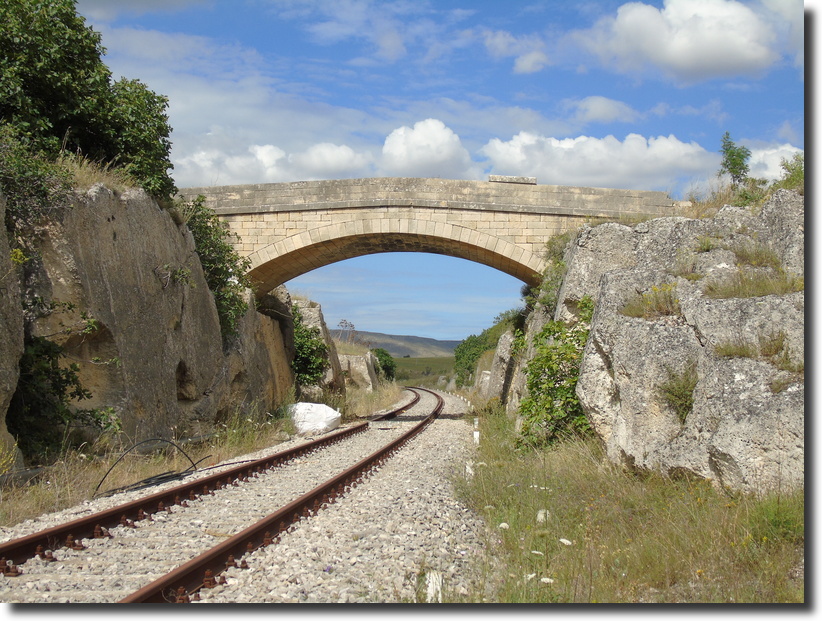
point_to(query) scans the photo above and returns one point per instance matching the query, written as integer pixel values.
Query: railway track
(103, 556)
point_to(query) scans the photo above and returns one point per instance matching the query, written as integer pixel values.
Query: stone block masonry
(287, 229)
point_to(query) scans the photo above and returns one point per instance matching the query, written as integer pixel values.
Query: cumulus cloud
(429, 149)
(766, 161)
(660, 163)
(330, 161)
(688, 40)
(598, 109)
(270, 164)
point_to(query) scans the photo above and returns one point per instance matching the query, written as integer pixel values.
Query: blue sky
(597, 93)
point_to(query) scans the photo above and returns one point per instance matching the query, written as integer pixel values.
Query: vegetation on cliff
(310, 351)
(226, 272)
(57, 92)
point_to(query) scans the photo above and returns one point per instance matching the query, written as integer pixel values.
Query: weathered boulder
(494, 383)
(11, 343)
(333, 380)
(133, 310)
(360, 371)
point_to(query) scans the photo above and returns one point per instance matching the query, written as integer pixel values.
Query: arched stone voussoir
(284, 260)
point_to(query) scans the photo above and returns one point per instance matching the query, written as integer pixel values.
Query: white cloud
(330, 161)
(661, 163)
(688, 40)
(598, 109)
(788, 18)
(766, 161)
(106, 10)
(527, 50)
(531, 62)
(270, 164)
(429, 149)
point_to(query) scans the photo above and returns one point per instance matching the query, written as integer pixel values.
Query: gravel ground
(402, 537)
(394, 538)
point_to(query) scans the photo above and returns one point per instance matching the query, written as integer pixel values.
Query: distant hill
(400, 346)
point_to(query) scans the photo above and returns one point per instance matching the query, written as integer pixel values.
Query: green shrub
(793, 174)
(225, 270)
(310, 351)
(56, 90)
(552, 410)
(34, 186)
(388, 367)
(41, 413)
(469, 351)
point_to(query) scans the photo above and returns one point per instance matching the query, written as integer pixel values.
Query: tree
(734, 160)
(387, 364)
(57, 92)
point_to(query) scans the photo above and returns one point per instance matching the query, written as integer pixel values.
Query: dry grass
(582, 531)
(75, 477)
(359, 404)
(657, 302)
(748, 284)
(87, 173)
(351, 349)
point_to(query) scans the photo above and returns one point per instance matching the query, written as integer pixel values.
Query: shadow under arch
(309, 250)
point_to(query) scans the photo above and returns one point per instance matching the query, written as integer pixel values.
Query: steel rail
(183, 583)
(71, 534)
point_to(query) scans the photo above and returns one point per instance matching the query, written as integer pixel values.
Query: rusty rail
(72, 533)
(182, 584)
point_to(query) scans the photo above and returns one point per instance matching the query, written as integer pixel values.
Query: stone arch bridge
(288, 229)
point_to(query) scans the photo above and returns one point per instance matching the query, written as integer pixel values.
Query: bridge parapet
(438, 193)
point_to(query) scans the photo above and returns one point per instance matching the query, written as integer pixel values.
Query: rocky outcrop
(495, 383)
(133, 310)
(745, 429)
(361, 371)
(11, 343)
(333, 381)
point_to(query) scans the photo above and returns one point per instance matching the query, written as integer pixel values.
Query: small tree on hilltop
(734, 160)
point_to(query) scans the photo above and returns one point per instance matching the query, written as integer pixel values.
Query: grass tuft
(678, 389)
(745, 284)
(658, 302)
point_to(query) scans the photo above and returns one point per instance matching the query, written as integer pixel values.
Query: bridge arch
(297, 254)
(288, 229)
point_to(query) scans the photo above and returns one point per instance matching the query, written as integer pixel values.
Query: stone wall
(154, 350)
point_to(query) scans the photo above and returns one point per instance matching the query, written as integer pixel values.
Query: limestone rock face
(745, 429)
(360, 370)
(135, 313)
(11, 342)
(333, 380)
(493, 384)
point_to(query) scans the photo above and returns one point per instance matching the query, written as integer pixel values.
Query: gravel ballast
(400, 536)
